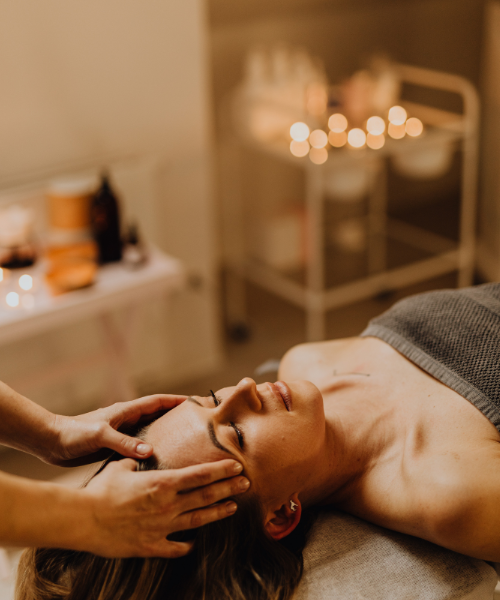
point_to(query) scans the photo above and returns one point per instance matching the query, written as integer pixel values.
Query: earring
(293, 506)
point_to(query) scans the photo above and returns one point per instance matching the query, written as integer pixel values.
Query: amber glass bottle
(105, 217)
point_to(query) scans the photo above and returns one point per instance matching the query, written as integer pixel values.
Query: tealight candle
(26, 282)
(28, 301)
(299, 132)
(12, 299)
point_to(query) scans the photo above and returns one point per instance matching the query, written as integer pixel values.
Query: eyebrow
(211, 431)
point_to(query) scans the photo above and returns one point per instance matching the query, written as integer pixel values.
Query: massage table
(347, 558)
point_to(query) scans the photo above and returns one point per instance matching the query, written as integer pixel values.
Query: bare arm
(72, 441)
(121, 513)
(24, 425)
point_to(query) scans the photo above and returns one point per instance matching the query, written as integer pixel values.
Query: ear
(283, 521)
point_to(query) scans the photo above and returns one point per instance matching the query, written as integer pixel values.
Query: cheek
(288, 445)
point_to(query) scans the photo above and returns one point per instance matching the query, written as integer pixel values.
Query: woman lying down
(399, 426)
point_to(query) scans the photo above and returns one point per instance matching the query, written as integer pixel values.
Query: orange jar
(69, 200)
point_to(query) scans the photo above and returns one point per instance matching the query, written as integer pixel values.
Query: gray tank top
(454, 335)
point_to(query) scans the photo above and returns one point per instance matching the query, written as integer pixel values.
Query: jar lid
(73, 186)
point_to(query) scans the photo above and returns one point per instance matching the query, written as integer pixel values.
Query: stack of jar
(84, 231)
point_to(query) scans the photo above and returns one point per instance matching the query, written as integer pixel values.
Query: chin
(304, 391)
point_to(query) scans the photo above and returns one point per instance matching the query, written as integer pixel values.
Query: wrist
(24, 425)
(48, 445)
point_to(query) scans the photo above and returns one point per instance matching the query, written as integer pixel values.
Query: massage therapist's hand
(88, 438)
(133, 512)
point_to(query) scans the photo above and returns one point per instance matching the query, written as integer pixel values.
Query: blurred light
(414, 127)
(26, 282)
(396, 131)
(1, 274)
(299, 149)
(318, 139)
(356, 137)
(337, 140)
(12, 299)
(318, 155)
(375, 142)
(337, 123)
(28, 301)
(317, 100)
(375, 125)
(299, 132)
(397, 115)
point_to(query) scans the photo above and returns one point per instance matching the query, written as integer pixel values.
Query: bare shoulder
(301, 361)
(456, 500)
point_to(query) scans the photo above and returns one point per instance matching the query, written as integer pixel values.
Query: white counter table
(116, 287)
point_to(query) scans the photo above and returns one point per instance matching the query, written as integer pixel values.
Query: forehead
(180, 438)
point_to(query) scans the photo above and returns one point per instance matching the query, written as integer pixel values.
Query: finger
(131, 412)
(196, 476)
(210, 494)
(198, 518)
(168, 549)
(124, 444)
(126, 465)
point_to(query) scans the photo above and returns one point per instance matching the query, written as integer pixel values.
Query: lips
(284, 392)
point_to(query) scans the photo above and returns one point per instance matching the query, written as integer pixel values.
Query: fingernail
(238, 468)
(143, 448)
(244, 484)
(231, 508)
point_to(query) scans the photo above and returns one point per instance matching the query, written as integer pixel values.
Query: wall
(118, 82)
(489, 222)
(438, 34)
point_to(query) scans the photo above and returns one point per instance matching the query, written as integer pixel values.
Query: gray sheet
(349, 559)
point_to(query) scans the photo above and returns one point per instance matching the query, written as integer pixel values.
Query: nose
(243, 397)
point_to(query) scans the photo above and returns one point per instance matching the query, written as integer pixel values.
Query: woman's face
(276, 431)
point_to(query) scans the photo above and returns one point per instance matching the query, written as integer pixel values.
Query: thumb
(125, 445)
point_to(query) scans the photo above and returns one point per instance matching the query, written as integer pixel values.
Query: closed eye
(236, 429)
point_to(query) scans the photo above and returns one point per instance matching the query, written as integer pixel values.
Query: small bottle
(105, 218)
(134, 252)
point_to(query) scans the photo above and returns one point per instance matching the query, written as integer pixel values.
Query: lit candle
(318, 155)
(299, 132)
(318, 139)
(337, 140)
(375, 125)
(375, 142)
(414, 127)
(396, 132)
(397, 115)
(299, 149)
(26, 282)
(28, 301)
(337, 123)
(12, 299)
(356, 138)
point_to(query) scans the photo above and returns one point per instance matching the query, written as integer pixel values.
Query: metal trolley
(446, 255)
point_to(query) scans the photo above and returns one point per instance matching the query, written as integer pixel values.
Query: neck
(362, 431)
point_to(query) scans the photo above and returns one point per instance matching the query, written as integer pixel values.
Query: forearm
(42, 514)
(25, 425)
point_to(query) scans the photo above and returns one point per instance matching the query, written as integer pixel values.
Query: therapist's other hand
(90, 437)
(134, 512)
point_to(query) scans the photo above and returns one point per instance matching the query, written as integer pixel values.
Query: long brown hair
(233, 559)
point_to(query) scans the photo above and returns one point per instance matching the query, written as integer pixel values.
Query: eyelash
(238, 432)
